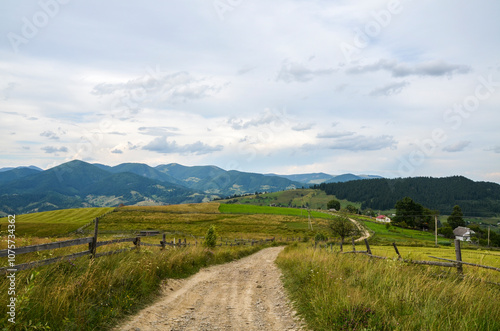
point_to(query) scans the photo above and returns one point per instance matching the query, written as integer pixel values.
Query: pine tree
(456, 218)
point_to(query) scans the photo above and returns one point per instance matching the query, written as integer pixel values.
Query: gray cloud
(162, 145)
(52, 149)
(390, 89)
(158, 130)
(334, 134)
(50, 134)
(303, 126)
(364, 143)
(431, 68)
(458, 147)
(494, 149)
(117, 151)
(296, 72)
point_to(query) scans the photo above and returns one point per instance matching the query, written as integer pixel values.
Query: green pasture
(55, 222)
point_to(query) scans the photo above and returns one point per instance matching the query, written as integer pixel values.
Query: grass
(310, 198)
(384, 235)
(352, 292)
(95, 294)
(55, 222)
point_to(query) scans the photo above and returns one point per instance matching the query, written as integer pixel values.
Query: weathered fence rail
(457, 263)
(93, 244)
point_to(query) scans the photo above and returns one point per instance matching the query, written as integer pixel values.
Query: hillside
(78, 184)
(475, 198)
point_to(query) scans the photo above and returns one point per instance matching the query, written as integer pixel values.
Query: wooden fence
(93, 244)
(457, 263)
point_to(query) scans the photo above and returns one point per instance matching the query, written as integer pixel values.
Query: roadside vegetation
(333, 291)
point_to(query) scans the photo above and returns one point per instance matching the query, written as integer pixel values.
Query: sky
(391, 88)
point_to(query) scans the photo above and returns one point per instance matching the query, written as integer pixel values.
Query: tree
(456, 218)
(411, 213)
(351, 209)
(211, 237)
(341, 226)
(333, 204)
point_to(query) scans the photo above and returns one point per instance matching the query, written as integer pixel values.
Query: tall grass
(347, 292)
(88, 294)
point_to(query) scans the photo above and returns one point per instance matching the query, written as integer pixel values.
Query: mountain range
(80, 184)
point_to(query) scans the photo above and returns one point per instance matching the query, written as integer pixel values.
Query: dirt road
(364, 232)
(242, 295)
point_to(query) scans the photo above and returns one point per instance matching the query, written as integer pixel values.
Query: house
(462, 233)
(383, 219)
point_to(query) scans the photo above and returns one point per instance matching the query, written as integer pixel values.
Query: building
(383, 219)
(462, 233)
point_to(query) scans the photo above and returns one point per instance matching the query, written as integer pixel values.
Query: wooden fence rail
(457, 263)
(93, 244)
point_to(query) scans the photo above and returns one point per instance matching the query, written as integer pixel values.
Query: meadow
(332, 291)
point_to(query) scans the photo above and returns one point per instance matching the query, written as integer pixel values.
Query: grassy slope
(352, 292)
(54, 223)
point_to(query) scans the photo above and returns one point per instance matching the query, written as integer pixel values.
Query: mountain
(80, 184)
(348, 177)
(474, 198)
(16, 173)
(321, 177)
(216, 181)
(312, 178)
(22, 167)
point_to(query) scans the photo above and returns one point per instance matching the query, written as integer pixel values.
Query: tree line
(480, 199)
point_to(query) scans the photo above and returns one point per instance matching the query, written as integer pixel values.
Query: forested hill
(475, 198)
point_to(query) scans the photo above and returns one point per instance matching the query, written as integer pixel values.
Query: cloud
(388, 90)
(117, 151)
(155, 87)
(296, 72)
(458, 147)
(303, 127)
(266, 117)
(494, 149)
(364, 143)
(50, 135)
(431, 68)
(334, 134)
(162, 145)
(52, 149)
(158, 130)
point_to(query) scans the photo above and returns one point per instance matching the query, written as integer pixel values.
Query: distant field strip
(251, 209)
(55, 222)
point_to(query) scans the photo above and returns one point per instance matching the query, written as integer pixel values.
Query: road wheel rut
(242, 295)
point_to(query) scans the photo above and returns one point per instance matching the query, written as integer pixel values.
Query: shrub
(211, 237)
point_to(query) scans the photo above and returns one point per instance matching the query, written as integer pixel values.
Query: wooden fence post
(163, 242)
(341, 244)
(368, 250)
(353, 245)
(458, 254)
(93, 247)
(137, 242)
(397, 250)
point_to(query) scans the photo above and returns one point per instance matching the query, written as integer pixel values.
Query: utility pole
(436, 228)
(489, 236)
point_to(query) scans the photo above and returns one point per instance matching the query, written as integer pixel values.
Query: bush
(211, 237)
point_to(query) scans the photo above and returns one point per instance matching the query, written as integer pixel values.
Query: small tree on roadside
(341, 226)
(211, 237)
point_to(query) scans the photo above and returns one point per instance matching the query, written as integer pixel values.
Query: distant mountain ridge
(321, 177)
(80, 184)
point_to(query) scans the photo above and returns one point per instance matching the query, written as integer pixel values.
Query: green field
(54, 223)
